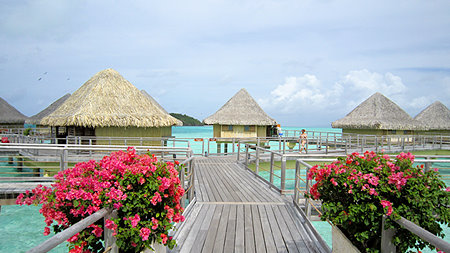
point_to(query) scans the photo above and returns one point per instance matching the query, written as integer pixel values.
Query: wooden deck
(236, 212)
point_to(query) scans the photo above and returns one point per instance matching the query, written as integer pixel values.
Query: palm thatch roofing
(154, 101)
(436, 116)
(378, 112)
(36, 119)
(109, 100)
(9, 114)
(241, 109)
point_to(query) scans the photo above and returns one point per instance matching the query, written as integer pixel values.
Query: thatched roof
(35, 119)
(154, 101)
(436, 116)
(241, 109)
(377, 112)
(9, 114)
(108, 99)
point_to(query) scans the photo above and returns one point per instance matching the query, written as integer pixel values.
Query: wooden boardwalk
(236, 212)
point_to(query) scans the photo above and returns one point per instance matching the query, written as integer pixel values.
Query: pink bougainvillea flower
(164, 238)
(134, 220)
(387, 204)
(46, 231)
(144, 233)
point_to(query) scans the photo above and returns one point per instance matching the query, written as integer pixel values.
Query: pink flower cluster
(89, 186)
(348, 173)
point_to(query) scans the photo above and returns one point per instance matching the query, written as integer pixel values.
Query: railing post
(326, 146)
(63, 162)
(246, 155)
(272, 160)
(238, 156)
(257, 160)
(307, 204)
(376, 144)
(386, 238)
(183, 184)
(110, 240)
(297, 181)
(427, 164)
(346, 143)
(191, 180)
(283, 174)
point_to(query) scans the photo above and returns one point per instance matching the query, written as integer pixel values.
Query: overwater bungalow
(108, 105)
(241, 117)
(36, 119)
(378, 115)
(10, 117)
(436, 118)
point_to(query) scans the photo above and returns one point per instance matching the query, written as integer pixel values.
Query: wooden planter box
(341, 244)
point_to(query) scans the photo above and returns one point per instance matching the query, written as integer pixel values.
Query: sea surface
(206, 132)
(22, 227)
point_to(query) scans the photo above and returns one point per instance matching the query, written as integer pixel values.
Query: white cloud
(296, 92)
(307, 93)
(366, 82)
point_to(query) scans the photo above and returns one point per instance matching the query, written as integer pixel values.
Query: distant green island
(187, 120)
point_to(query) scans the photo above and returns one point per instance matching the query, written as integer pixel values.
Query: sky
(306, 62)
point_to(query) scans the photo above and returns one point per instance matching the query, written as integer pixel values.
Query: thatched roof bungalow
(108, 105)
(240, 117)
(10, 117)
(379, 116)
(436, 118)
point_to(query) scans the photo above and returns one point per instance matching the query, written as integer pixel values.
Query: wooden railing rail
(51, 158)
(69, 232)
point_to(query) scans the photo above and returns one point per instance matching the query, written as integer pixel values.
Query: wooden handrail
(69, 232)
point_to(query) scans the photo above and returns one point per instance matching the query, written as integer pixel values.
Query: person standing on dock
(302, 140)
(279, 131)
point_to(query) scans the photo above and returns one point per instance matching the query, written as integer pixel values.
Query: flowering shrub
(358, 190)
(146, 194)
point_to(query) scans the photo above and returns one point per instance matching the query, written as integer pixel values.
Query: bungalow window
(392, 131)
(249, 128)
(227, 128)
(407, 132)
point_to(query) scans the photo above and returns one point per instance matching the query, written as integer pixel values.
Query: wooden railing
(45, 160)
(317, 142)
(187, 180)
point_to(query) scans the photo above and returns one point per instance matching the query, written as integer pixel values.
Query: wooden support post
(283, 174)
(246, 155)
(257, 160)
(376, 144)
(219, 149)
(110, 240)
(297, 182)
(386, 238)
(232, 145)
(191, 180)
(238, 151)
(272, 161)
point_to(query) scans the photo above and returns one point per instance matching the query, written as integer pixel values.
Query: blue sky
(307, 63)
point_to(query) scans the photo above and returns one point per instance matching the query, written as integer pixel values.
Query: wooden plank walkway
(236, 212)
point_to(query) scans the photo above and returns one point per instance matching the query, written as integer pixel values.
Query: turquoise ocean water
(22, 227)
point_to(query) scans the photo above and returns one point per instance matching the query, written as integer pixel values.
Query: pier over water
(236, 212)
